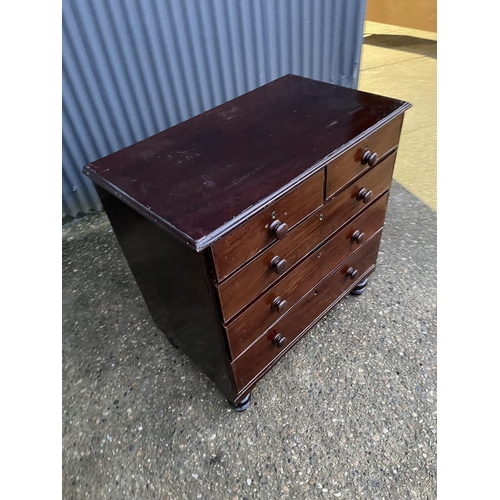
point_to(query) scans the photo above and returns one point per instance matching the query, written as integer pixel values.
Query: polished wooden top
(202, 177)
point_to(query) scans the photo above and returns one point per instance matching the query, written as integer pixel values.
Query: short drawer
(251, 280)
(268, 226)
(243, 330)
(267, 350)
(360, 157)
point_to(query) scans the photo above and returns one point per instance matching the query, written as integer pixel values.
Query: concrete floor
(350, 413)
(401, 63)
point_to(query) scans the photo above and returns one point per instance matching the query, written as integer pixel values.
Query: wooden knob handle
(280, 305)
(370, 158)
(364, 195)
(279, 340)
(278, 264)
(358, 236)
(278, 229)
(351, 273)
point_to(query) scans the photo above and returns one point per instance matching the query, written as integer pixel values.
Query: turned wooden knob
(351, 273)
(278, 264)
(358, 236)
(278, 229)
(280, 305)
(279, 340)
(364, 195)
(370, 158)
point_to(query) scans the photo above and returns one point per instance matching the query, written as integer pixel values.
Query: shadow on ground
(406, 43)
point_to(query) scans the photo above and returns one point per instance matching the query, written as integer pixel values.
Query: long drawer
(268, 226)
(253, 321)
(271, 346)
(363, 155)
(251, 280)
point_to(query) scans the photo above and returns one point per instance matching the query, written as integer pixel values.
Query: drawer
(243, 330)
(265, 352)
(251, 280)
(351, 163)
(247, 240)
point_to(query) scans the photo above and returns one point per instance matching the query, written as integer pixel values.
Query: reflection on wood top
(202, 177)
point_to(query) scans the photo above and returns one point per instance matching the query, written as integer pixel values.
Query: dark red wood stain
(198, 178)
(243, 226)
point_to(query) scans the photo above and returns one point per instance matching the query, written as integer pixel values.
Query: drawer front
(351, 164)
(247, 283)
(243, 330)
(300, 318)
(247, 240)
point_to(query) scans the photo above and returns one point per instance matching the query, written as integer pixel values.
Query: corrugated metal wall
(134, 67)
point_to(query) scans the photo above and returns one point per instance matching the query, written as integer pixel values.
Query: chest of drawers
(245, 225)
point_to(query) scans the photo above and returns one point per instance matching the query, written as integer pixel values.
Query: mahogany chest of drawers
(245, 225)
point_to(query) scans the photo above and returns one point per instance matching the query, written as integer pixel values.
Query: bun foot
(359, 288)
(243, 405)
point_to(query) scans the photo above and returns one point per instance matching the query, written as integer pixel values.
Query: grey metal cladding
(133, 68)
